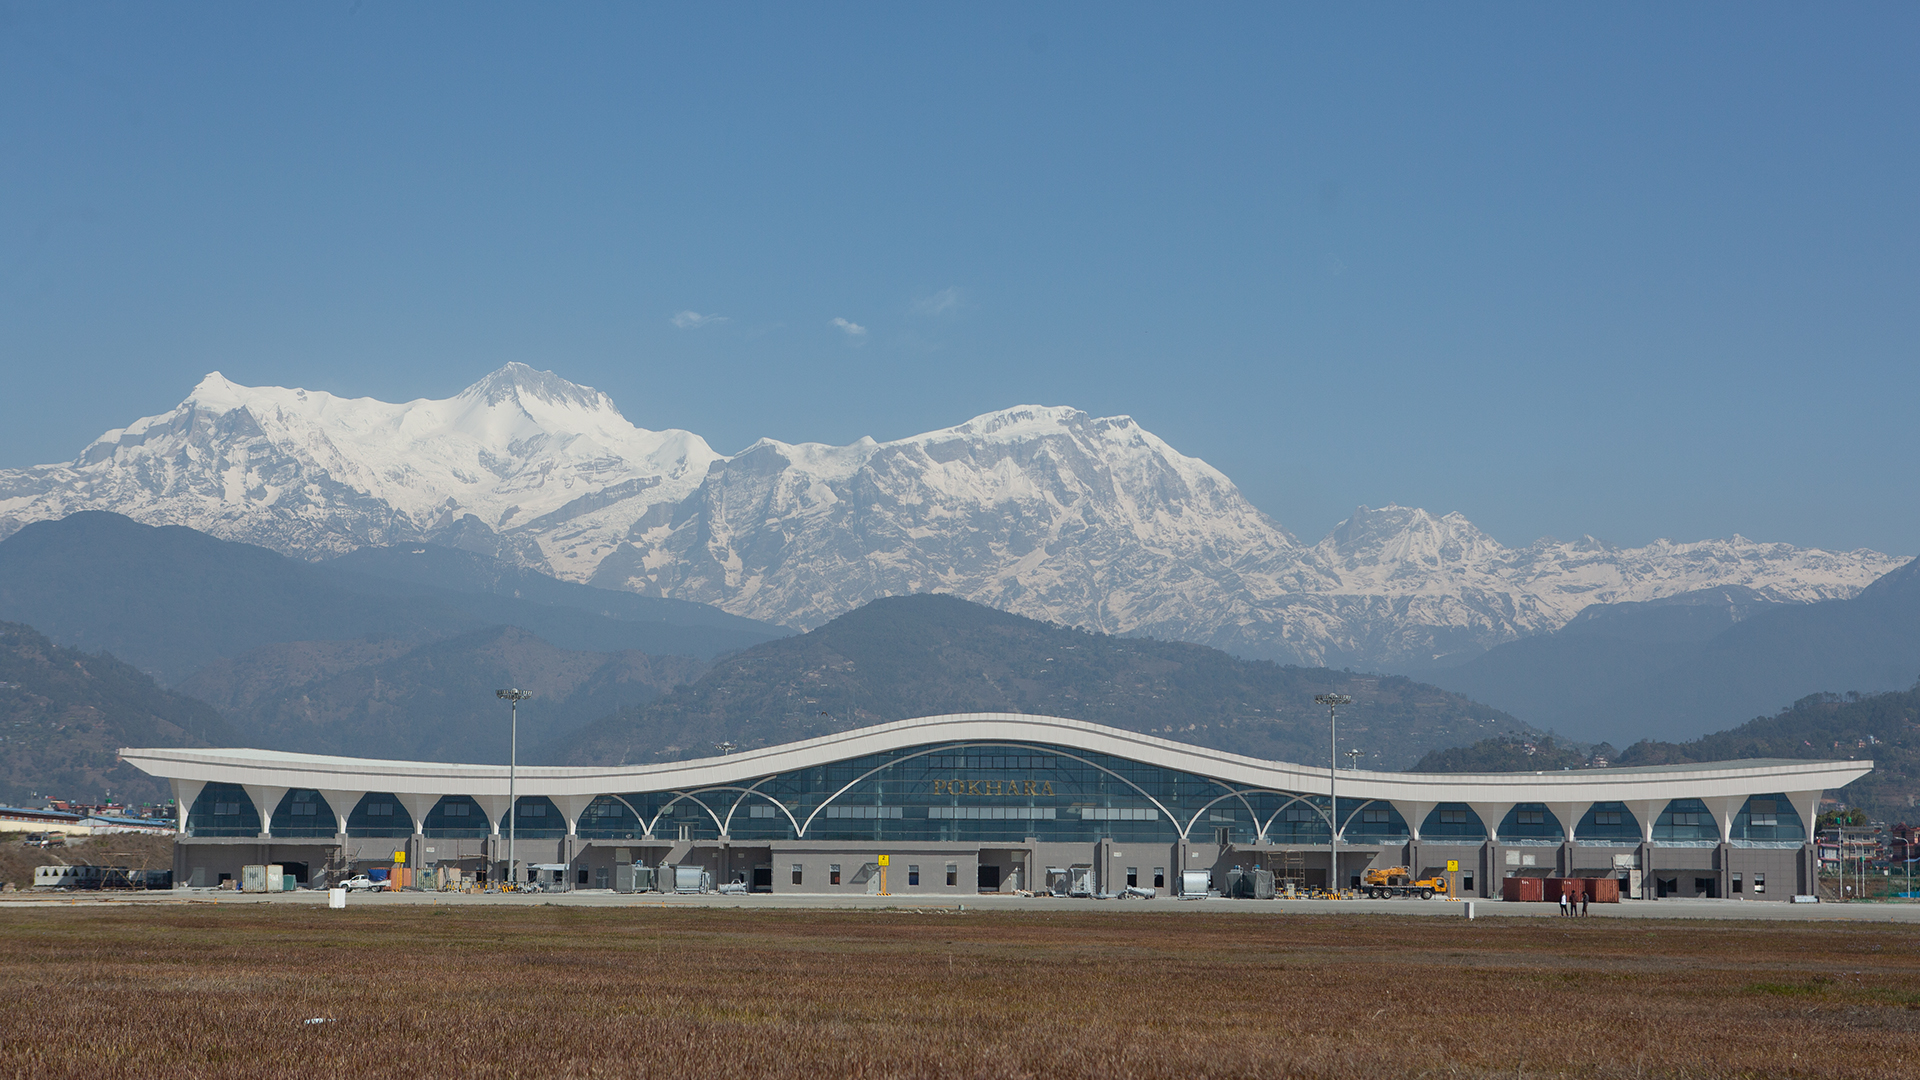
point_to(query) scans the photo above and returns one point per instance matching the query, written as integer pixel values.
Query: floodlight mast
(1333, 703)
(513, 698)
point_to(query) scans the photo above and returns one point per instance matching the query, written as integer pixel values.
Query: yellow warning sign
(883, 860)
(1453, 866)
(399, 857)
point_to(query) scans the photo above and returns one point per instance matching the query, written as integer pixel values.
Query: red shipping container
(1524, 890)
(1573, 887)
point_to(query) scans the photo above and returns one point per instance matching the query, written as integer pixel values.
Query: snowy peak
(1046, 511)
(518, 383)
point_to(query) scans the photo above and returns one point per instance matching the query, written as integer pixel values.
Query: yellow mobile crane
(1399, 881)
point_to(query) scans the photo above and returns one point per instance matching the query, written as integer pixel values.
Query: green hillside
(926, 655)
(389, 698)
(64, 715)
(1882, 727)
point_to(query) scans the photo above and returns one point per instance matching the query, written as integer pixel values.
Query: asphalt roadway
(1871, 911)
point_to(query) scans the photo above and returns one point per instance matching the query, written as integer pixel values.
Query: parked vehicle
(1399, 881)
(362, 881)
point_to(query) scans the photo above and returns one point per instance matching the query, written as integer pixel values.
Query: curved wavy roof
(1723, 779)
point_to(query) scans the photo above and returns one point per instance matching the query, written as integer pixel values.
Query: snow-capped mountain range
(1044, 511)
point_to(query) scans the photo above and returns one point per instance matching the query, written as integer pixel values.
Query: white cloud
(945, 301)
(853, 329)
(693, 320)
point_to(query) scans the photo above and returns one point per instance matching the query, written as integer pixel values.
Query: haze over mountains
(330, 658)
(322, 658)
(1043, 511)
(1690, 664)
(931, 655)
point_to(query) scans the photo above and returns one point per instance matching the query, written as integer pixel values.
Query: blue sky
(1566, 269)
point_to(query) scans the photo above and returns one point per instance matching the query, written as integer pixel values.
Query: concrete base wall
(1723, 871)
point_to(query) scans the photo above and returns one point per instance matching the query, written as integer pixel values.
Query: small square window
(796, 873)
(1759, 883)
(1736, 883)
(953, 874)
(913, 874)
(833, 874)
(1133, 876)
(1159, 877)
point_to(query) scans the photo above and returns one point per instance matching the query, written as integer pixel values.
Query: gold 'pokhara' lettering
(1010, 787)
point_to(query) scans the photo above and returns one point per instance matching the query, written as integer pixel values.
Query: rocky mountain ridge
(1043, 511)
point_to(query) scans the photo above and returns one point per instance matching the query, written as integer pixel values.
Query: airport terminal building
(996, 802)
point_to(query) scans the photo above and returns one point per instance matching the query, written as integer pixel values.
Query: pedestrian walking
(1585, 899)
(1563, 901)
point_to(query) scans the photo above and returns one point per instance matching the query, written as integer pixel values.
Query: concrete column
(1569, 815)
(496, 807)
(418, 807)
(1491, 815)
(185, 792)
(1725, 808)
(572, 806)
(343, 804)
(266, 800)
(1414, 814)
(1807, 805)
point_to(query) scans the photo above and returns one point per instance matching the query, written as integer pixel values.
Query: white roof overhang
(288, 770)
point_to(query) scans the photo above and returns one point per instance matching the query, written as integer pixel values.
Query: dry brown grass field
(225, 990)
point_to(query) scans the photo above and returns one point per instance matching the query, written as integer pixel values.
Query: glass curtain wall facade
(985, 794)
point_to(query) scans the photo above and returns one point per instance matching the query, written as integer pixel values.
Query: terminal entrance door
(989, 878)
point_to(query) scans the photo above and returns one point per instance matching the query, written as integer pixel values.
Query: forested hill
(928, 655)
(1882, 727)
(65, 714)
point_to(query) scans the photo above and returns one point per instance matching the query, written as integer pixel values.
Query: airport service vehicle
(1390, 881)
(362, 881)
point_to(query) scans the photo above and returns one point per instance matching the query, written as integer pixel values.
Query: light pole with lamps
(513, 698)
(1333, 703)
